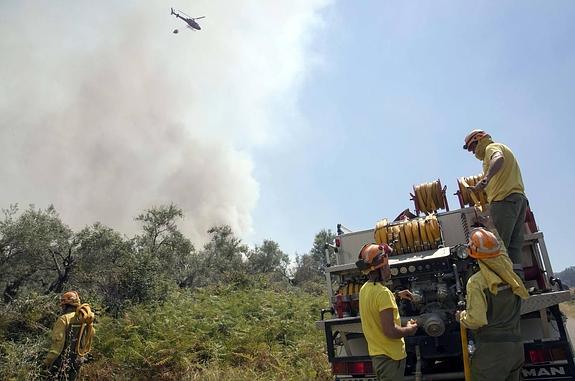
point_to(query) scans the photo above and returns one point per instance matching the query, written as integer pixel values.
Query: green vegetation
(166, 310)
(249, 330)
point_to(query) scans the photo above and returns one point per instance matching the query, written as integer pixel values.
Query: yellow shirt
(508, 179)
(475, 316)
(493, 306)
(374, 298)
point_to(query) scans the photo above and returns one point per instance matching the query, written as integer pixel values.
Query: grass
(568, 308)
(260, 332)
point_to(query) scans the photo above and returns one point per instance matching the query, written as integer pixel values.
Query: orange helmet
(474, 136)
(373, 257)
(483, 244)
(71, 298)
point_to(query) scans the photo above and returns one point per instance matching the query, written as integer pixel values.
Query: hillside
(255, 331)
(167, 310)
(567, 276)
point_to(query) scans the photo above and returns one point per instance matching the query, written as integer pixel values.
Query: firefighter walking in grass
(380, 318)
(71, 338)
(493, 310)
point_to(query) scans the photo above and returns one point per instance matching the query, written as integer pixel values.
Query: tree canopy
(39, 253)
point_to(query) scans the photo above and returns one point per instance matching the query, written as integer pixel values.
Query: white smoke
(105, 112)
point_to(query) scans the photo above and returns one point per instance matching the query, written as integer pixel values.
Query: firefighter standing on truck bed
(493, 310)
(505, 191)
(380, 320)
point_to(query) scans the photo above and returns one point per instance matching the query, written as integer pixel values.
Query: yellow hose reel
(429, 197)
(466, 196)
(409, 236)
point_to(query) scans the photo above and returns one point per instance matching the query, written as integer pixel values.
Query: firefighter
(493, 310)
(62, 361)
(380, 319)
(503, 185)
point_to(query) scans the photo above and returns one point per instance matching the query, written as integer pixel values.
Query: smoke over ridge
(104, 112)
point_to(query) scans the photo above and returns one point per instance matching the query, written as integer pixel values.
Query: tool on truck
(429, 259)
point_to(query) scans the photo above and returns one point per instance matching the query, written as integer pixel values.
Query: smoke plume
(105, 112)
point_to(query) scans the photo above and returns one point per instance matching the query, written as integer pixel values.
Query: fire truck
(430, 260)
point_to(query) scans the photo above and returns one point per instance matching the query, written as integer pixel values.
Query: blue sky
(400, 85)
(281, 118)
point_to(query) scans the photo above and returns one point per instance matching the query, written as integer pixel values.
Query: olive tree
(37, 251)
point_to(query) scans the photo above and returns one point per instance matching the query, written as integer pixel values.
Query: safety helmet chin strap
(378, 262)
(383, 260)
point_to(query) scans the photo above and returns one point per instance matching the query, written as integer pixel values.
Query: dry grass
(568, 308)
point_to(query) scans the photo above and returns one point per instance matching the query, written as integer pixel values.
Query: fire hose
(429, 197)
(410, 236)
(469, 197)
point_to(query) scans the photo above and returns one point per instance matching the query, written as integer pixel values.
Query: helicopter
(191, 21)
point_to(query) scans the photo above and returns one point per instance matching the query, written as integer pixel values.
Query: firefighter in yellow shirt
(503, 185)
(380, 320)
(62, 361)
